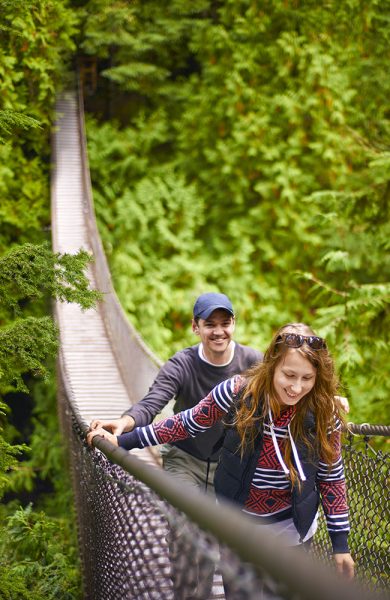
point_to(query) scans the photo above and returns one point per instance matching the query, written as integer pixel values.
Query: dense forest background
(244, 147)
(238, 146)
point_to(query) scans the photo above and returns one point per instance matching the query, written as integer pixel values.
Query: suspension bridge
(141, 535)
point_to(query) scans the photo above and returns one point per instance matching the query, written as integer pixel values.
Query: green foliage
(24, 346)
(11, 120)
(8, 461)
(38, 545)
(36, 42)
(45, 458)
(167, 206)
(29, 272)
(32, 271)
(24, 196)
(33, 558)
(273, 122)
(13, 588)
(33, 54)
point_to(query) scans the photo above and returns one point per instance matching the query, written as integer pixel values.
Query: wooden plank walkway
(90, 364)
(85, 345)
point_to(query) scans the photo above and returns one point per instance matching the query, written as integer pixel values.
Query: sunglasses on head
(296, 340)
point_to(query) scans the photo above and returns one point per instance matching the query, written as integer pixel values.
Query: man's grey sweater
(188, 378)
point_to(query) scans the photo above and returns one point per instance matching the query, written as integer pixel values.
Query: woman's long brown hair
(259, 395)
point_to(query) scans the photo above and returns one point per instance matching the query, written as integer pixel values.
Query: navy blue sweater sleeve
(130, 440)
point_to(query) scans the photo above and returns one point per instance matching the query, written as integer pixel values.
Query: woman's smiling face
(294, 377)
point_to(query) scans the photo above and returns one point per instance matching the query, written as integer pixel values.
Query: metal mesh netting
(135, 545)
(367, 475)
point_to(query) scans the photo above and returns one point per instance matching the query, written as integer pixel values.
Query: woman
(282, 448)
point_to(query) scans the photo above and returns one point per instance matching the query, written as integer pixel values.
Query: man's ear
(195, 327)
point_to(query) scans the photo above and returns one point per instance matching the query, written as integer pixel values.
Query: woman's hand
(345, 565)
(103, 433)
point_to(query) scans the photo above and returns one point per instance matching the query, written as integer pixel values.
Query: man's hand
(343, 403)
(116, 426)
(104, 433)
(345, 565)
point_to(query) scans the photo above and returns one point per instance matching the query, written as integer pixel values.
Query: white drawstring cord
(276, 445)
(295, 452)
(279, 454)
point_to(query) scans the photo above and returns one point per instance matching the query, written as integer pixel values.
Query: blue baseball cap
(207, 303)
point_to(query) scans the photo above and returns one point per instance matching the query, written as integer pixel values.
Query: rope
(367, 429)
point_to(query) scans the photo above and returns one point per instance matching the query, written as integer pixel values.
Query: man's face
(216, 333)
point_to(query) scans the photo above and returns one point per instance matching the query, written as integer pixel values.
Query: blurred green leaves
(274, 122)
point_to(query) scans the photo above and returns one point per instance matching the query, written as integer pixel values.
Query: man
(188, 376)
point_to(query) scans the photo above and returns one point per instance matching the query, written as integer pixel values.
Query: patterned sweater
(270, 496)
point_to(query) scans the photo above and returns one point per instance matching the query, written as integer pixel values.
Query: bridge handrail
(297, 571)
(368, 430)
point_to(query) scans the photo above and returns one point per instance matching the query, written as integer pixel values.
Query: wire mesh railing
(367, 475)
(142, 536)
